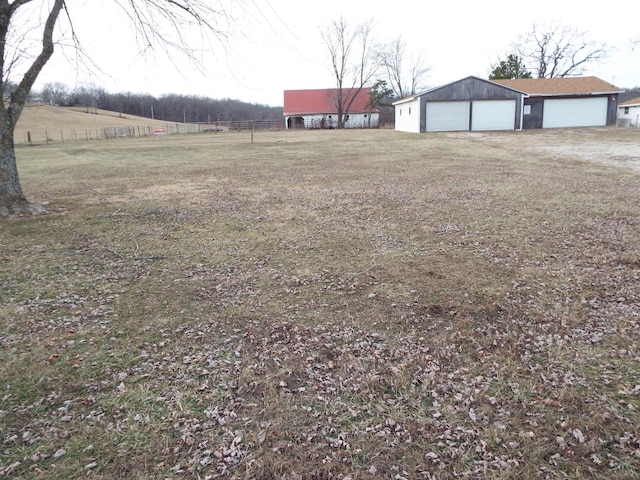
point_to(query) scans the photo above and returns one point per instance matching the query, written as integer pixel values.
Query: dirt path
(624, 155)
(613, 146)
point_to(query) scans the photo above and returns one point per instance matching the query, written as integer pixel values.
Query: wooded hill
(168, 108)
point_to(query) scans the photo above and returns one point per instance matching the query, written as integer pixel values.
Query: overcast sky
(283, 50)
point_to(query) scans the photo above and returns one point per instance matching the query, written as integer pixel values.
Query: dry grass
(324, 305)
(40, 121)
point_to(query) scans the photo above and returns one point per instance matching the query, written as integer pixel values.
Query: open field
(325, 304)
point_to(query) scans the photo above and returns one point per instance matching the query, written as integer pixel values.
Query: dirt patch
(624, 155)
(612, 146)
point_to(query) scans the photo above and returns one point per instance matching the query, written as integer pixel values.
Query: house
(566, 102)
(477, 104)
(318, 108)
(629, 113)
(468, 104)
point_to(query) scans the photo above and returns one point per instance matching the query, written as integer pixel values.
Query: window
(626, 110)
(527, 109)
(400, 111)
(409, 110)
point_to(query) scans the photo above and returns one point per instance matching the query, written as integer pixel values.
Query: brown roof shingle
(633, 101)
(560, 86)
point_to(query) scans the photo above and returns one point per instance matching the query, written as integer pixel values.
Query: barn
(318, 108)
(629, 113)
(566, 102)
(468, 104)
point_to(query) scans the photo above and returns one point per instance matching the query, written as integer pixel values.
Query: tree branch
(19, 96)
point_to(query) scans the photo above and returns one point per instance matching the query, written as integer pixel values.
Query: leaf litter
(332, 326)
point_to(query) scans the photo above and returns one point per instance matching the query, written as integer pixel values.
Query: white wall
(631, 119)
(408, 116)
(361, 120)
(355, 120)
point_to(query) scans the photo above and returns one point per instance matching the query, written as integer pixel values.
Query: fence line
(34, 137)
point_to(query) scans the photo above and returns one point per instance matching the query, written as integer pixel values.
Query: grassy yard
(324, 305)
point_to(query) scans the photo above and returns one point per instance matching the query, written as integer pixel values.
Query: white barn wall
(361, 120)
(355, 120)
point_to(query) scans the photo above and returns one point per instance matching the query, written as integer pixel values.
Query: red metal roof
(322, 101)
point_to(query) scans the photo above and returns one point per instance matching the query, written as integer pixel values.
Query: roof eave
(360, 112)
(405, 100)
(563, 94)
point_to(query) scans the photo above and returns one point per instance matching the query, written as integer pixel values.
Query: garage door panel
(575, 112)
(493, 115)
(447, 116)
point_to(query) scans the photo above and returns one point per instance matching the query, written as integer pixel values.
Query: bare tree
(352, 59)
(559, 51)
(405, 73)
(160, 24)
(55, 93)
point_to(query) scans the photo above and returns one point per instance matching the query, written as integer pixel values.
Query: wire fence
(39, 137)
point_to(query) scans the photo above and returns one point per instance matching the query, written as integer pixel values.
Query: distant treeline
(170, 108)
(629, 94)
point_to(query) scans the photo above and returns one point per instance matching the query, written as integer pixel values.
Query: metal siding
(361, 120)
(447, 116)
(534, 118)
(323, 101)
(575, 112)
(474, 89)
(612, 109)
(471, 89)
(493, 115)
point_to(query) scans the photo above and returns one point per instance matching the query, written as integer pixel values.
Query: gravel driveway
(610, 145)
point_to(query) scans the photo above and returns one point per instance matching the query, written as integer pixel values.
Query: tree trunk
(12, 200)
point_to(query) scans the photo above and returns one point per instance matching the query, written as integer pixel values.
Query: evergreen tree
(512, 67)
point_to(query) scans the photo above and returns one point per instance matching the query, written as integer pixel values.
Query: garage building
(567, 102)
(474, 104)
(468, 104)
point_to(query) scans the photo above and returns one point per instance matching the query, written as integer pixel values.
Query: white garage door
(493, 115)
(575, 112)
(447, 116)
